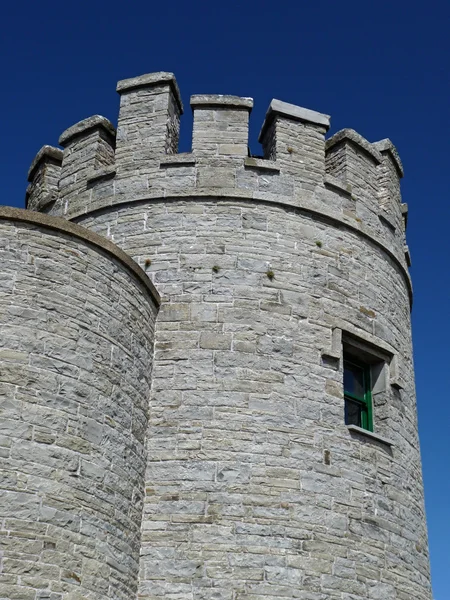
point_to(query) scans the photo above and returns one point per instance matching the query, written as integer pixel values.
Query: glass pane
(354, 380)
(353, 412)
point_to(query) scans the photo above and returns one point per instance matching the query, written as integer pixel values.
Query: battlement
(345, 177)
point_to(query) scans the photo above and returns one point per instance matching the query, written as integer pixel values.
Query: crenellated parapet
(344, 177)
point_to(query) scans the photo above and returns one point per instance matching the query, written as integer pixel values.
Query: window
(357, 393)
(370, 379)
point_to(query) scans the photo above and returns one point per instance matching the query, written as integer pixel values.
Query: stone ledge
(178, 160)
(350, 135)
(221, 100)
(387, 220)
(149, 80)
(407, 255)
(387, 146)
(45, 154)
(261, 164)
(58, 224)
(103, 173)
(337, 184)
(94, 122)
(369, 434)
(296, 113)
(404, 209)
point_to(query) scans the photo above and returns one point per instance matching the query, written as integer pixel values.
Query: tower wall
(269, 269)
(254, 483)
(74, 382)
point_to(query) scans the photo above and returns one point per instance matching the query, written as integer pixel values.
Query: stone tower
(206, 365)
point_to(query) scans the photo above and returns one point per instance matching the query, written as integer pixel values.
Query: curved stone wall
(77, 323)
(270, 267)
(255, 486)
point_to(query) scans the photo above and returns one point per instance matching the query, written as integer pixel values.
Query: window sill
(370, 434)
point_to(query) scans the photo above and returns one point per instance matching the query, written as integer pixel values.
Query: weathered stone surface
(243, 409)
(297, 113)
(80, 128)
(44, 175)
(221, 100)
(75, 373)
(254, 485)
(220, 126)
(149, 80)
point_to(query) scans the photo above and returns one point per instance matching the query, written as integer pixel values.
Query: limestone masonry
(173, 335)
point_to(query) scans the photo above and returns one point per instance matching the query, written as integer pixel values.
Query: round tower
(282, 446)
(75, 363)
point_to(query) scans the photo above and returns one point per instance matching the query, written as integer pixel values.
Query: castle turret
(75, 377)
(282, 455)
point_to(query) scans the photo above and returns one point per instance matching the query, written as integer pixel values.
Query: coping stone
(387, 146)
(94, 122)
(291, 111)
(221, 100)
(149, 80)
(262, 164)
(46, 154)
(350, 135)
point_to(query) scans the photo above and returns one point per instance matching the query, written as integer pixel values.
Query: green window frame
(358, 393)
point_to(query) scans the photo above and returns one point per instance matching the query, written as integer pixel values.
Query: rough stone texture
(243, 409)
(254, 486)
(75, 373)
(220, 125)
(80, 128)
(390, 172)
(296, 113)
(44, 175)
(149, 118)
(299, 146)
(88, 146)
(352, 158)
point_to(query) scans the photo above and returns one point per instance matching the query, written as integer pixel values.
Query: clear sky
(381, 68)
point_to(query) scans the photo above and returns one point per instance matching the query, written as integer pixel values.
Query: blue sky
(381, 68)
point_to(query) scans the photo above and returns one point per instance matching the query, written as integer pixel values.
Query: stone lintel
(151, 80)
(9, 213)
(352, 137)
(45, 154)
(221, 101)
(386, 146)
(296, 113)
(91, 123)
